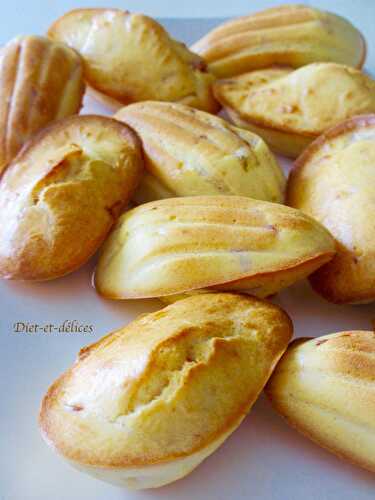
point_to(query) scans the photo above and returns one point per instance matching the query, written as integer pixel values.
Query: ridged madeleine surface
(40, 81)
(290, 108)
(292, 35)
(62, 193)
(325, 388)
(190, 152)
(130, 57)
(334, 182)
(177, 245)
(146, 404)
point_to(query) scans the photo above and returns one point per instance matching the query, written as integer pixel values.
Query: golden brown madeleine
(146, 404)
(325, 388)
(190, 152)
(62, 193)
(130, 57)
(290, 108)
(292, 35)
(334, 182)
(178, 245)
(40, 81)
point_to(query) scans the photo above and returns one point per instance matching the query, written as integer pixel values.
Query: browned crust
(317, 279)
(92, 82)
(38, 49)
(48, 432)
(27, 271)
(267, 124)
(51, 29)
(264, 123)
(318, 283)
(364, 51)
(128, 133)
(215, 36)
(319, 259)
(279, 408)
(121, 127)
(234, 118)
(342, 128)
(227, 426)
(114, 98)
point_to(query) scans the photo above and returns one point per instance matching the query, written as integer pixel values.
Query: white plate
(263, 460)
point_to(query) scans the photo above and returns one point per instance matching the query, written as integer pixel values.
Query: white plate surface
(263, 460)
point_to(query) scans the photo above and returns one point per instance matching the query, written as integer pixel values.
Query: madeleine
(292, 35)
(190, 152)
(130, 57)
(324, 387)
(40, 81)
(180, 245)
(146, 404)
(62, 193)
(290, 108)
(334, 182)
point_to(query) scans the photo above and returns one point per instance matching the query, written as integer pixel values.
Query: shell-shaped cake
(130, 57)
(178, 245)
(334, 182)
(189, 152)
(292, 35)
(40, 81)
(325, 388)
(290, 108)
(146, 404)
(62, 194)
